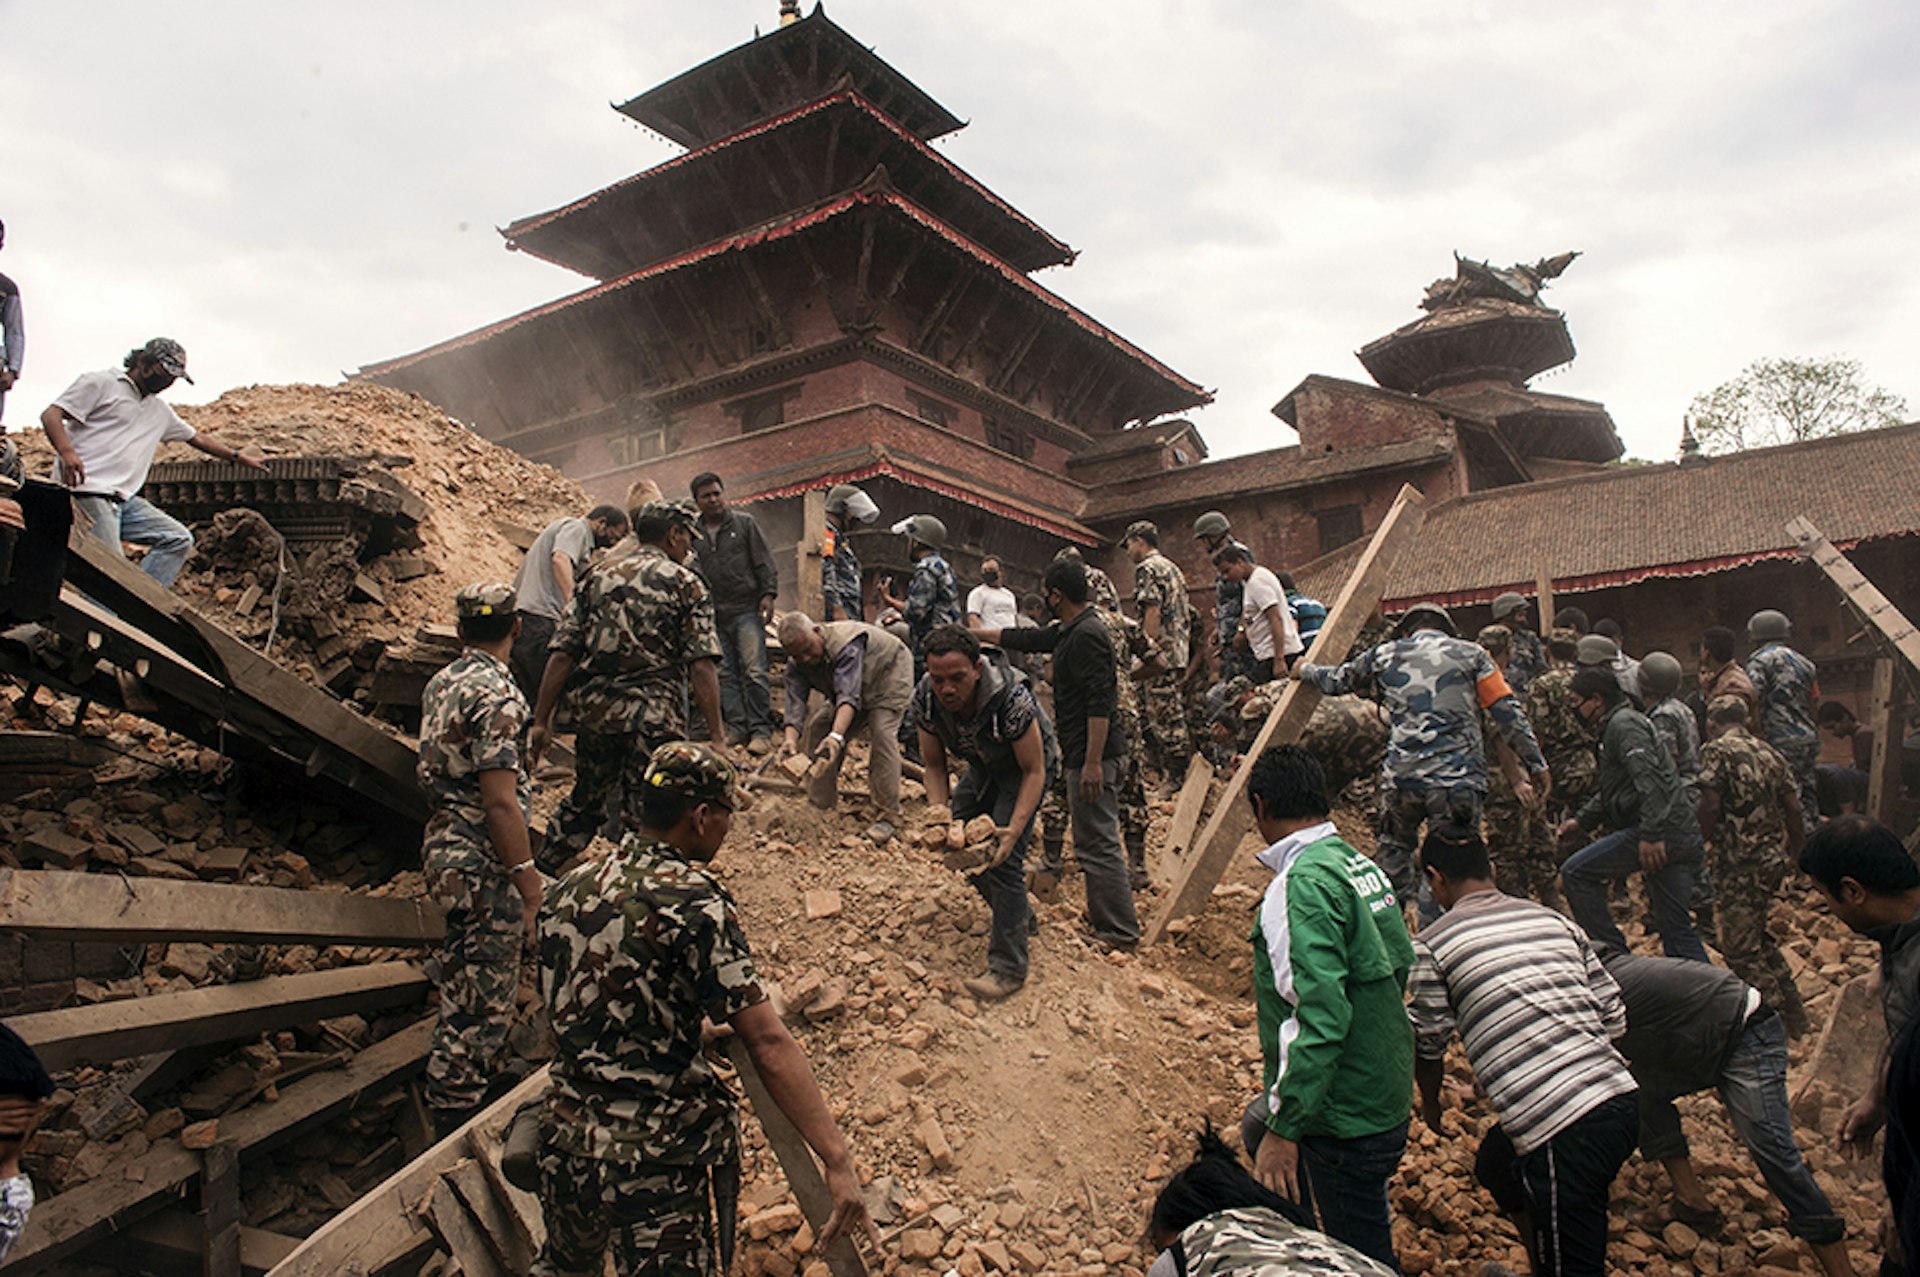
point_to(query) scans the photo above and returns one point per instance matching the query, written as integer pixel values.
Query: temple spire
(1689, 446)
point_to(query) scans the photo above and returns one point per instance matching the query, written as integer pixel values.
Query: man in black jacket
(740, 575)
(1091, 744)
(1652, 825)
(1691, 1026)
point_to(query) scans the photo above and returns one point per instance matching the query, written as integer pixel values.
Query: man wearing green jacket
(1330, 963)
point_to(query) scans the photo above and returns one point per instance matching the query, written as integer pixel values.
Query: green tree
(1787, 400)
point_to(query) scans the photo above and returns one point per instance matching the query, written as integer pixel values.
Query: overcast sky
(1257, 188)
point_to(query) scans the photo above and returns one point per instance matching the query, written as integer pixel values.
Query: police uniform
(473, 719)
(1748, 859)
(933, 599)
(1788, 688)
(1158, 582)
(636, 950)
(636, 621)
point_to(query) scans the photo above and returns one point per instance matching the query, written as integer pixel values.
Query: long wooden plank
(1887, 717)
(1865, 597)
(363, 1237)
(1231, 820)
(63, 1224)
(116, 1030)
(1187, 809)
(796, 1160)
(1543, 598)
(220, 1210)
(60, 905)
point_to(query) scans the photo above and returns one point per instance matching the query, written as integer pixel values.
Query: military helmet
(1507, 604)
(844, 498)
(1768, 624)
(1596, 649)
(1211, 524)
(1660, 674)
(1437, 616)
(927, 530)
(1495, 638)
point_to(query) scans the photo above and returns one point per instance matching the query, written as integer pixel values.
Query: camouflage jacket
(1100, 591)
(1254, 1241)
(1348, 734)
(635, 950)
(1433, 687)
(1229, 599)
(473, 718)
(634, 624)
(1752, 781)
(1528, 662)
(933, 598)
(1787, 688)
(1129, 641)
(1158, 582)
(1680, 732)
(840, 578)
(1568, 743)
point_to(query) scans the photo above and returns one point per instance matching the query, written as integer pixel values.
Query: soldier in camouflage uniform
(1433, 685)
(1129, 644)
(1524, 862)
(1565, 739)
(1751, 815)
(1678, 729)
(639, 951)
(1194, 684)
(1529, 658)
(1214, 532)
(1160, 592)
(638, 632)
(476, 859)
(1788, 690)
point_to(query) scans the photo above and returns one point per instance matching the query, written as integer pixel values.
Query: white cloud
(1258, 189)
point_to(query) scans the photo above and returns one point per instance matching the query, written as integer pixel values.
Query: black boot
(1137, 860)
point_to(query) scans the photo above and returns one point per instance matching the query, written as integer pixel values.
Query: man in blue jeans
(1691, 1026)
(1653, 827)
(741, 576)
(980, 712)
(105, 428)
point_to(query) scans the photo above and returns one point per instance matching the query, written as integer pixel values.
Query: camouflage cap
(484, 598)
(1143, 528)
(1727, 708)
(1237, 686)
(1495, 638)
(170, 355)
(683, 767)
(1563, 634)
(667, 512)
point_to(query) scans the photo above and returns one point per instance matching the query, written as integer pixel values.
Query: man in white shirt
(1265, 619)
(991, 605)
(105, 428)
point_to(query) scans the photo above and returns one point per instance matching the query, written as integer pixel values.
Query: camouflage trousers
(476, 969)
(1803, 761)
(1747, 880)
(1055, 818)
(1165, 721)
(1403, 812)
(1199, 722)
(1524, 860)
(654, 1216)
(607, 767)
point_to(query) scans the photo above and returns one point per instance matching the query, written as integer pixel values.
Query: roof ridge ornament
(1519, 283)
(789, 12)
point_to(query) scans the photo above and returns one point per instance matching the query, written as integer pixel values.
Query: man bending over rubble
(642, 957)
(979, 712)
(866, 677)
(477, 859)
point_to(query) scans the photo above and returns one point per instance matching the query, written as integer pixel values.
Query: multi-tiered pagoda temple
(810, 294)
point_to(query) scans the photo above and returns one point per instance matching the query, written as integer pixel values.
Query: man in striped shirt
(1536, 1013)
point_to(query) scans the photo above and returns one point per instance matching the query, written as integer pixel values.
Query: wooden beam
(1186, 811)
(1231, 819)
(810, 567)
(59, 905)
(361, 1239)
(177, 1233)
(1866, 599)
(1887, 716)
(74, 1036)
(69, 1221)
(796, 1160)
(220, 1210)
(1543, 598)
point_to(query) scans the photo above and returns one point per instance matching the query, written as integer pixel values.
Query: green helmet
(844, 498)
(1436, 616)
(1660, 674)
(1768, 625)
(1507, 604)
(927, 530)
(1211, 524)
(1596, 649)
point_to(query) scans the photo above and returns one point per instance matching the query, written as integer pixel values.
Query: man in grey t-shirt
(558, 555)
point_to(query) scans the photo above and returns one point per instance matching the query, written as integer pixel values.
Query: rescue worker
(866, 678)
(1214, 532)
(1529, 658)
(848, 508)
(1160, 592)
(1788, 689)
(1524, 864)
(477, 859)
(636, 638)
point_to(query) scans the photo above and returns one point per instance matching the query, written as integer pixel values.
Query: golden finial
(789, 12)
